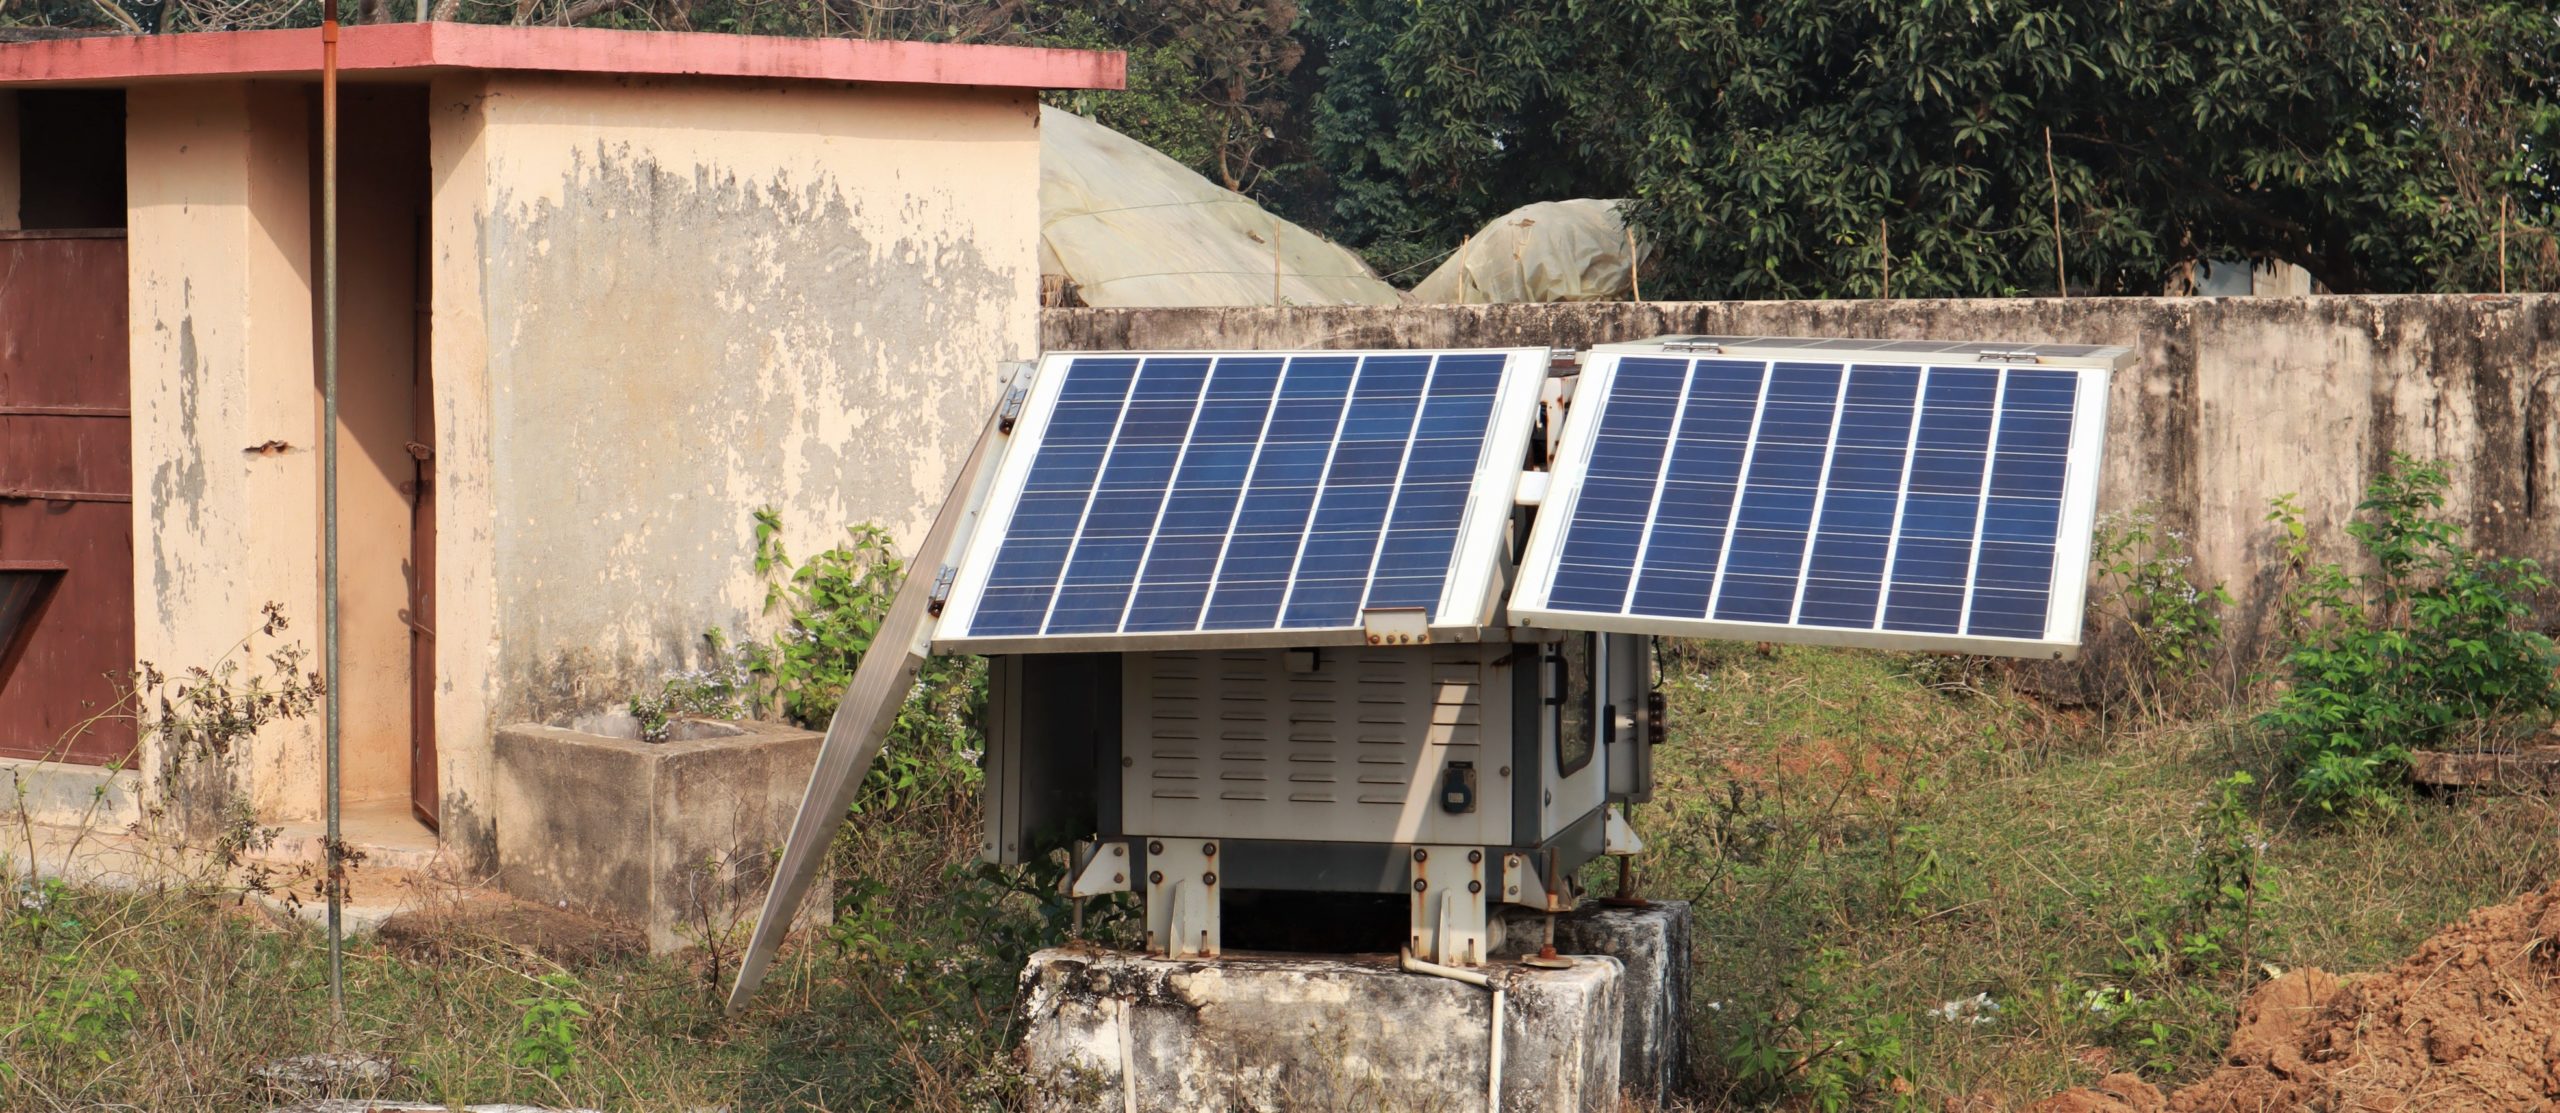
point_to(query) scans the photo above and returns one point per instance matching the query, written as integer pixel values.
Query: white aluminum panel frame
(1468, 598)
(2063, 617)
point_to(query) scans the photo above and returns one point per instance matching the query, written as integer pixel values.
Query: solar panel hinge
(1707, 346)
(2008, 355)
(1013, 399)
(941, 589)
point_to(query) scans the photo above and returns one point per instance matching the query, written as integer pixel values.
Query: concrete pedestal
(1111, 1033)
(675, 838)
(1652, 942)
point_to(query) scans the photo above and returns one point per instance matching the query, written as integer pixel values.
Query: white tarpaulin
(1128, 225)
(1575, 250)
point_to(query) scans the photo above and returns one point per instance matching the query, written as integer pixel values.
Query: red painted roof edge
(114, 59)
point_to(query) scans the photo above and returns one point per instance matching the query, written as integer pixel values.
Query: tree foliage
(1776, 148)
(1784, 148)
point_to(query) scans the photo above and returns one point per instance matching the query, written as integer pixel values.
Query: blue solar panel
(1170, 494)
(1833, 500)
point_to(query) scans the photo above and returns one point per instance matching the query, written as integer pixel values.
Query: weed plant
(2431, 648)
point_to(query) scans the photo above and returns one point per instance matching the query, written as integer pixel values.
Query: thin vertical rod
(329, 487)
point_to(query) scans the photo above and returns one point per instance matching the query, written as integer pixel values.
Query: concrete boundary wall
(2232, 401)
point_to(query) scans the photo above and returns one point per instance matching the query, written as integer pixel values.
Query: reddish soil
(2470, 1021)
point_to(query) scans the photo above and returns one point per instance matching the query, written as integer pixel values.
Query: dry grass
(1861, 846)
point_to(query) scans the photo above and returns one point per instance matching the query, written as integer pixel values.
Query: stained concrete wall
(218, 183)
(659, 304)
(2232, 400)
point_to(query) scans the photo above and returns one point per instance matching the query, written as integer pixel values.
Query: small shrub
(1833, 1045)
(833, 606)
(2206, 921)
(2430, 649)
(721, 689)
(2144, 582)
(548, 1032)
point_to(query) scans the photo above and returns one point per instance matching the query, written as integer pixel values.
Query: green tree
(1775, 148)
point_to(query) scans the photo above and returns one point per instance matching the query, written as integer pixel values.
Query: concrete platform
(1110, 1033)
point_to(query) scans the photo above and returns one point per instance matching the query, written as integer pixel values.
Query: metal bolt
(1155, 846)
(1118, 850)
(1208, 850)
(1209, 878)
(1419, 885)
(1511, 861)
(1119, 879)
(1155, 877)
(1421, 855)
(1506, 771)
(1512, 891)
(1475, 857)
(1475, 887)
(1128, 763)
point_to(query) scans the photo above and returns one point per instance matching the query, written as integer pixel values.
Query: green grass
(1859, 847)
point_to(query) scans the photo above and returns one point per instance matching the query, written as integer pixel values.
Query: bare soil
(448, 930)
(2470, 1021)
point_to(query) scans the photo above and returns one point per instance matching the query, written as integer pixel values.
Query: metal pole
(329, 485)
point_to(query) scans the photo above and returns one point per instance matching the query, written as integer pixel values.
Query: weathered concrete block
(1286, 1032)
(1653, 944)
(674, 837)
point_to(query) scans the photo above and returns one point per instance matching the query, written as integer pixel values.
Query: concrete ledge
(68, 795)
(1287, 1032)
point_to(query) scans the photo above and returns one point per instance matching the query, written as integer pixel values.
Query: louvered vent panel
(1235, 744)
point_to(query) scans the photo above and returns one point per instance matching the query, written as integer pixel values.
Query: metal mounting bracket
(1618, 837)
(1104, 869)
(1182, 898)
(1449, 920)
(1396, 625)
(1522, 884)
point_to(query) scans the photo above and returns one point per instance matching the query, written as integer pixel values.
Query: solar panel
(1154, 499)
(1876, 497)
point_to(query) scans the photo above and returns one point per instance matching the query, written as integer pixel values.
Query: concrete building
(604, 293)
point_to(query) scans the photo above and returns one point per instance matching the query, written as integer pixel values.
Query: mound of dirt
(2469, 1021)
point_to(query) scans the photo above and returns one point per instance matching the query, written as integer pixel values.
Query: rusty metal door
(66, 497)
(424, 799)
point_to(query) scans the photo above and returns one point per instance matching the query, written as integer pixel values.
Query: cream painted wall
(218, 187)
(660, 304)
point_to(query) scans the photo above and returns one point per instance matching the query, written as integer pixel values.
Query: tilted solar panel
(1155, 499)
(1883, 498)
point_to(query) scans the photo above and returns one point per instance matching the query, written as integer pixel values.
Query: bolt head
(1208, 850)
(1155, 846)
(1475, 887)
(1209, 878)
(1155, 877)
(1420, 885)
(1475, 857)
(1119, 851)
(1421, 855)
